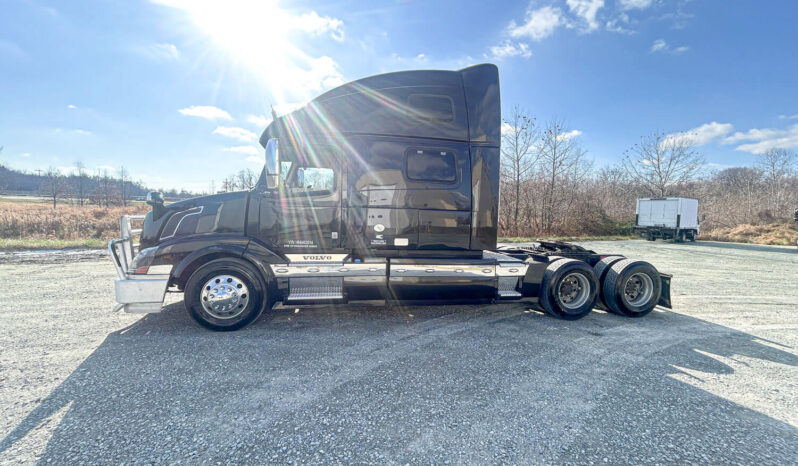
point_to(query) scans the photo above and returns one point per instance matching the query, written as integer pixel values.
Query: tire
(219, 285)
(692, 236)
(644, 283)
(569, 289)
(680, 237)
(600, 269)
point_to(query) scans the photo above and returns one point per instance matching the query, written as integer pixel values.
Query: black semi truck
(382, 190)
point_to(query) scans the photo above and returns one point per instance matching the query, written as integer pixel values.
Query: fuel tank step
(315, 289)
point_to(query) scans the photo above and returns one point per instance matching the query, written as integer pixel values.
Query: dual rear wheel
(571, 289)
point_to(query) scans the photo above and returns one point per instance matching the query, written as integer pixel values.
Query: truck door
(304, 214)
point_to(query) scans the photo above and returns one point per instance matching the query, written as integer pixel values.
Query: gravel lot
(713, 381)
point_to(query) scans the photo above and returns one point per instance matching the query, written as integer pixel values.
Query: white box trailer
(667, 217)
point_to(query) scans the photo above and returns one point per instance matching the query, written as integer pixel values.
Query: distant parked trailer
(667, 218)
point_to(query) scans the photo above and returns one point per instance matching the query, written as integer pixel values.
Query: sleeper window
(431, 165)
(433, 107)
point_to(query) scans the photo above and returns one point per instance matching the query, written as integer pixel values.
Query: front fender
(185, 254)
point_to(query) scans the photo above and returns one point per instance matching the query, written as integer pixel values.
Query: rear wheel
(632, 288)
(569, 289)
(225, 294)
(600, 269)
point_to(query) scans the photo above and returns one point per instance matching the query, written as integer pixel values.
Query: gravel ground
(713, 381)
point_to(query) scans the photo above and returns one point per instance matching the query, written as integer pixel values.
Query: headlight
(141, 263)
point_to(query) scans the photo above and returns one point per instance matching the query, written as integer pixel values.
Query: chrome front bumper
(134, 293)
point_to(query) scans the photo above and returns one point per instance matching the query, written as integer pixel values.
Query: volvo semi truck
(383, 190)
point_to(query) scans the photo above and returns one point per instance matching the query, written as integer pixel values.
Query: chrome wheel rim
(638, 289)
(224, 296)
(573, 291)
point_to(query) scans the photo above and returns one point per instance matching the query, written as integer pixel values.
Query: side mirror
(272, 164)
(155, 199)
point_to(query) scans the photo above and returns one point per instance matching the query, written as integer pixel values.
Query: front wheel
(225, 294)
(569, 289)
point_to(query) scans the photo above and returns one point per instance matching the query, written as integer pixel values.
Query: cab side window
(310, 172)
(431, 165)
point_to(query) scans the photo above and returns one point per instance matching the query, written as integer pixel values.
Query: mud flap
(665, 295)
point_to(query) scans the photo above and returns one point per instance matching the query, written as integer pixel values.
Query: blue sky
(178, 90)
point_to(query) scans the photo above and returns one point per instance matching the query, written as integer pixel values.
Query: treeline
(103, 188)
(549, 188)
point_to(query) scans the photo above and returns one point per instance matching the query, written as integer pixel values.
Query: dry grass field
(29, 224)
(783, 234)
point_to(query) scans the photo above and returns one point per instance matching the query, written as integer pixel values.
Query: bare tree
(659, 162)
(228, 185)
(54, 185)
(519, 155)
(245, 179)
(777, 166)
(562, 168)
(107, 192)
(81, 183)
(124, 181)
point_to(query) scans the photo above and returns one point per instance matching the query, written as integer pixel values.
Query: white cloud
(106, 167)
(71, 107)
(242, 149)
(788, 117)
(538, 24)
(570, 134)
(619, 24)
(26, 154)
(236, 133)
(762, 140)
(660, 45)
(165, 50)
(206, 111)
(509, 49)
(253, 159)
(634, 4)
(703, 134)
(507, 128)
(587, 10)
(259, 120)
(314, 24)
(82, 132)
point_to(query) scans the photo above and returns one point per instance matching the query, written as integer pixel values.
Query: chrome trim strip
(455, 270)
(511, 269)
(322, 270)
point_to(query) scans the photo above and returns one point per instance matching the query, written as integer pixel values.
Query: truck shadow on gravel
(409, 384)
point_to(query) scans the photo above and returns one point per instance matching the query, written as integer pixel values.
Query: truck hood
(191, 217)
